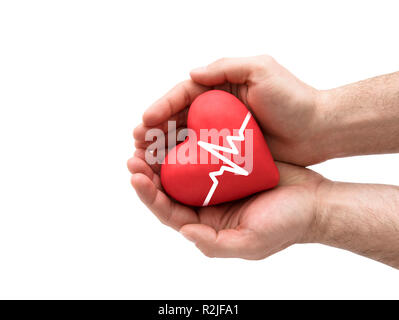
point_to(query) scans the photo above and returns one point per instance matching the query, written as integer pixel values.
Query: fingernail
(187, 236)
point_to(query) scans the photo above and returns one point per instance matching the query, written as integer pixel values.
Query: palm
(258, 211)
(263, 223)
(282, 214)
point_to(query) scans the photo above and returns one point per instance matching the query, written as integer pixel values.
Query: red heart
(191, 183)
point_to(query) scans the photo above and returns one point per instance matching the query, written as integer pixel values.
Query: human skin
(302, 126)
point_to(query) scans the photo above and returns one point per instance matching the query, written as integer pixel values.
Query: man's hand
(267, 222)
(251, 228)
(303, 208)
(285, 107)
(302, 126)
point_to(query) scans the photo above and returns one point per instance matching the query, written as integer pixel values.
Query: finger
(154, 159)
(141, 153)
(224, 87)
(179, 119)
(174, 101)
(137, 165)
(167, 211)
(227, 243)
(234, 70)
(170, 139)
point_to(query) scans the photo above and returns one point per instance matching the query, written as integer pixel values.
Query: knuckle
(207, 252)
(256, 257)
(136, 132)
(265, 61)
(220, 61)
(210, 255)
(267, 58)
(182, 83)
(164, 221)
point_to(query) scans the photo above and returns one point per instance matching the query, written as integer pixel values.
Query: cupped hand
(285, 108)
(250, 228)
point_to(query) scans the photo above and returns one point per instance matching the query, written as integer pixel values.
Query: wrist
(320, 143)
(308, 147)
(318, 229)
(329, 128)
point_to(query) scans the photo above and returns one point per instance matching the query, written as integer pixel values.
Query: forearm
(362, 218)
(360, 118)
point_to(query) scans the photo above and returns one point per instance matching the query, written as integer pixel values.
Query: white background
(75, 77)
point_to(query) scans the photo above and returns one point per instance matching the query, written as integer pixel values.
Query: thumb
(227, 243)
(233, 70)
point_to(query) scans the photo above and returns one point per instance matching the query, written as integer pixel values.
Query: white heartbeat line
(231, 166)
